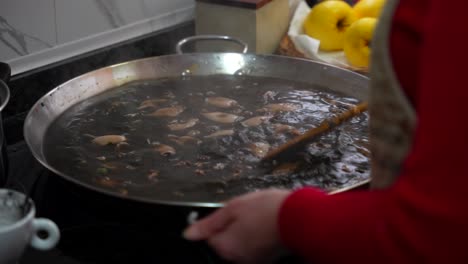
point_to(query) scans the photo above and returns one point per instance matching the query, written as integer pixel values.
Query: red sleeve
(424, 216)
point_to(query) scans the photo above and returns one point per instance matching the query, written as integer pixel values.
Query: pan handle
(5, 72)
(184, 41)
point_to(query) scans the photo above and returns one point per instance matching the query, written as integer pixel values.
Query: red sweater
(423, 217)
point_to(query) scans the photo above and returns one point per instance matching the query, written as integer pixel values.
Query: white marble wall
(34, 33)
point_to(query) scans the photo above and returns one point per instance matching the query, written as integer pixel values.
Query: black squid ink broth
(197, 138)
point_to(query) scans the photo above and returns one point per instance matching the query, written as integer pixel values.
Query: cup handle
(53, 234)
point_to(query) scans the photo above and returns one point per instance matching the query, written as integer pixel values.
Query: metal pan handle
(5, 74)
(184, 41)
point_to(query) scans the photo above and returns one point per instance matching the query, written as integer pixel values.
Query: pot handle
(5, 72)
(184, 41)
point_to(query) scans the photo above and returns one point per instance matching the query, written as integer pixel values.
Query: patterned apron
(393, 118)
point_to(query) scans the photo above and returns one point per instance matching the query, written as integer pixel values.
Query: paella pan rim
(41, 158)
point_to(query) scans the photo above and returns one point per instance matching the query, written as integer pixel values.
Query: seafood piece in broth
(286, 168)
(280, 107)
(259, 149)
(151, 103)
(184, 140)
(269, 96)
(181, 126)
(165, 150)
(168, 111)
(282, 129)
(255, 121)
(121, 146)
(221, 102)
(108, 182)
(221, 117)
(193, 133)
(221, 133)
(109, 139)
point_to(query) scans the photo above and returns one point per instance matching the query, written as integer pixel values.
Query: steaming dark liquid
(9, 216)
(219, 167)
(10, 208)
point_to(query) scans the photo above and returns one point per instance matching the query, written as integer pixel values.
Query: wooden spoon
(288, 150)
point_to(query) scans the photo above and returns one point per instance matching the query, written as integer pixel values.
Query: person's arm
(424, 216)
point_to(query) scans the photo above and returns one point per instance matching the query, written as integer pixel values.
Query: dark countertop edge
(238, 3)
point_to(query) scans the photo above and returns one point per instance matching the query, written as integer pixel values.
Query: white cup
(16, 234)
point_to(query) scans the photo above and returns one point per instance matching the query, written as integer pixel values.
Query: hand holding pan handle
(184, 41)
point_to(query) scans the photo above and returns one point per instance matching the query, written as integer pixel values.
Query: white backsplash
(26, 30)
(34, 33)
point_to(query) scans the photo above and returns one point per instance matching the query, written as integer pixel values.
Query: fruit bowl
(296, 43)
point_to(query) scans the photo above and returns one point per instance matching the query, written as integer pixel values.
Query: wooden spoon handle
(294, 145)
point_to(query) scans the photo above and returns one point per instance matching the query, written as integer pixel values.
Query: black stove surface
(96, 228)
(114, 243)
(121, 244)
(101, 229)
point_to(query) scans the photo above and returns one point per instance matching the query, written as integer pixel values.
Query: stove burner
(130, 244)
(114, 243)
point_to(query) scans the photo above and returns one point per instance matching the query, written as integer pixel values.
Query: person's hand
(245, 230)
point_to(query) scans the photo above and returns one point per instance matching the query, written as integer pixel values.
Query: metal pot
(4, 98)
(53, 104)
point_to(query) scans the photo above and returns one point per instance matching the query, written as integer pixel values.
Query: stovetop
(114, 244)
(100, 229)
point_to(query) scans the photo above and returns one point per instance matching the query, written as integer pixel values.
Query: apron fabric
(393, 118)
